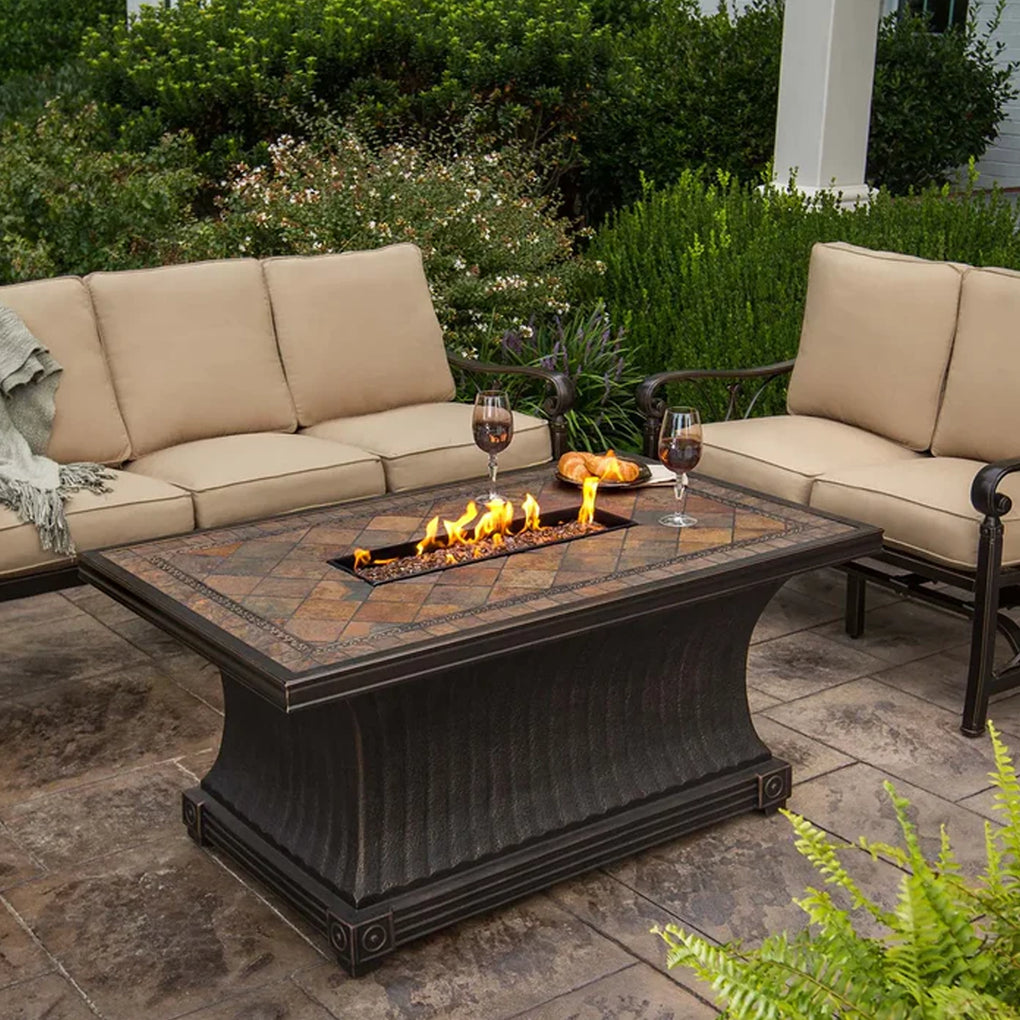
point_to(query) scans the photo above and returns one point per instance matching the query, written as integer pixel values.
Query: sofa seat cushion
(922, 506)
(980, 416)
(357, 332)
(87, 424)
(783, 455)
(244, 478)
(137, 509)
(428, 444)
(192, 352)
(875, 343)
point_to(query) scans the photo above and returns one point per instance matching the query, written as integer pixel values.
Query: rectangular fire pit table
(400, 757)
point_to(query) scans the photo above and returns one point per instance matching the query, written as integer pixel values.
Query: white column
(825, 80)
(134, 6)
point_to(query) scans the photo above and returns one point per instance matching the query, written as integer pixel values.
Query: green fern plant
(950, 948)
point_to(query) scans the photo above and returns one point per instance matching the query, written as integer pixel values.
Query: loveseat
(238, 389)
(904, 412)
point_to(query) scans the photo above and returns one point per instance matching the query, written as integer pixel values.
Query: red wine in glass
(493, 436)
(492, 424)
(680, 451)
(681, 454)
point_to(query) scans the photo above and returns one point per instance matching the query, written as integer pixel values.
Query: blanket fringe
(45, 507)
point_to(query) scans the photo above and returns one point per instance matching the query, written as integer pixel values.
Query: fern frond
(952, 949)
(947, 863)
(993, 876)
(877, 849)
(738, 981)
(814, 844)
(918, 862)
(1007, 798)
(946, 945)
(954, 1003)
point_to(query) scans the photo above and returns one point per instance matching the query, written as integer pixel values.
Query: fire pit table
(399, 756)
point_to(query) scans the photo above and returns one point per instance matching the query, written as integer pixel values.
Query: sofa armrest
(983, 492)
(556, 404)
(653, 407)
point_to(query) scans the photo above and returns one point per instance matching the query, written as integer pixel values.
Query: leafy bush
(585, 346)
(938, 99)
(611, 88)
(952, 945)
(715, 275)
(70, 203)
(40, 34)
(690, 90)
(495, 253)
(234, 72)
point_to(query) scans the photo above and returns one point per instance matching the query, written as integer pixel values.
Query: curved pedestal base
(388, 814)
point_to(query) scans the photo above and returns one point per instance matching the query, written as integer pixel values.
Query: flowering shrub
(585, 346)
(494, 251)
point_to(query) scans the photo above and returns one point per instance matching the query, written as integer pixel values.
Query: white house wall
(1001, 163)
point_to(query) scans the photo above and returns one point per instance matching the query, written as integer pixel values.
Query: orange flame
(589, 489)
(493, 526)
(495, 521)
(612, 469)
(428, 543)
(532, 511)
(455, 533)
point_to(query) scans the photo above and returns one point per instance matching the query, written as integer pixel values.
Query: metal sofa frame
(980, 595)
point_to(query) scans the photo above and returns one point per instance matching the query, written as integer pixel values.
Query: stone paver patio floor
(107, 909)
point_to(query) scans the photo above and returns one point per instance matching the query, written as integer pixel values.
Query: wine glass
(680, 451)
(493, 427)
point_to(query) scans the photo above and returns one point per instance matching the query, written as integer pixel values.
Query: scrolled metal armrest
(650, 405)
(983, 492)
(555, 405)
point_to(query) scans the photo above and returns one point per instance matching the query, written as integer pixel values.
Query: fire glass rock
(438, 559)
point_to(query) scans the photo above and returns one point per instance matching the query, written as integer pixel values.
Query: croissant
(578, 466)
(610, 468)
(573, 466)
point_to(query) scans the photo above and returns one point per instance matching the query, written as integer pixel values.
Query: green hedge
(714, 275)
(602, 90)
(70, 202)
(40, 34)
(239, 72)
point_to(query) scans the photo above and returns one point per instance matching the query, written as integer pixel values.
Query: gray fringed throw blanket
(32, 485)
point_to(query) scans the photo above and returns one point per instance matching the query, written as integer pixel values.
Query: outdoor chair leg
(982, 642)
(856, 590)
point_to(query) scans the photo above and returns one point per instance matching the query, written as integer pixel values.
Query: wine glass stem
(680, 491)
(492, 477)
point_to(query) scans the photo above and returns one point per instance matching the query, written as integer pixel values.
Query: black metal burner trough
(605, 521)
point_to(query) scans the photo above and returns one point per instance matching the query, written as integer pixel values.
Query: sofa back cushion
(87, 425)
(980, 416)
(877, 334)
(192, 352)
(357, 332)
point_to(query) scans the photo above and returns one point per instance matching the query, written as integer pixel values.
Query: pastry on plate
(606, 467)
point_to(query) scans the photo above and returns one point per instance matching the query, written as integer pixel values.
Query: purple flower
(513, 342)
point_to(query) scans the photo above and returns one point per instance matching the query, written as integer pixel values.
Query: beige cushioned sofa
(238, 389)
(906, 386)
